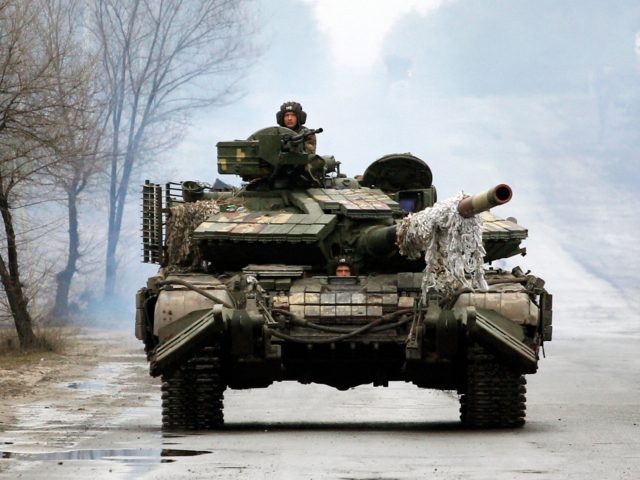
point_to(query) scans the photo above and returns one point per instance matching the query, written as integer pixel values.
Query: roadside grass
(50, 341)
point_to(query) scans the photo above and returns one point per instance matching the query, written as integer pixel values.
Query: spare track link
(192, 395)
(494, 395)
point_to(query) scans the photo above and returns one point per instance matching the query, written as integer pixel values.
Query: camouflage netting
(452, 246)
(182, 220)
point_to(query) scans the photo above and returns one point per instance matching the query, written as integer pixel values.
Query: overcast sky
(542, 95)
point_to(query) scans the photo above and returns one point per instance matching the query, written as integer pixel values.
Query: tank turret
(248, 292)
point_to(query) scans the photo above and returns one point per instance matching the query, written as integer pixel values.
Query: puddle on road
(151, 455)
(56, 430)
(106, 374)
(87, 386)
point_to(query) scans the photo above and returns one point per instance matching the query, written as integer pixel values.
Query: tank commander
(343, 268)
(293, 117)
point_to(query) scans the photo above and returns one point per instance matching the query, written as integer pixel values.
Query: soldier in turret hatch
(343, 268)
(293, 117)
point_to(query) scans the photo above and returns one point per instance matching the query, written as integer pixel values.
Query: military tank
(247, 292)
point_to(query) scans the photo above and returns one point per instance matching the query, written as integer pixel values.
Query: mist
(543, 96)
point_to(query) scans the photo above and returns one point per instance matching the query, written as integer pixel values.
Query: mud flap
(178, 348)
(500, 335)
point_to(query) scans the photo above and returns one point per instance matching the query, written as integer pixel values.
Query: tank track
(192, 395)
(495, 394)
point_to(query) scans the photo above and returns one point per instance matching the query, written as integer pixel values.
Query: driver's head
(343, 268)
(291, 115)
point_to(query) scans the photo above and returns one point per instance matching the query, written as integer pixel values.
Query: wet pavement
(583, 423)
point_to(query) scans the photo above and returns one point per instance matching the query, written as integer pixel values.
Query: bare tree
(80, 116)
(29, 132)
(162, 59)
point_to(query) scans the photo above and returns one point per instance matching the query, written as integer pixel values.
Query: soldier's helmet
(294, 107)
(344, 261)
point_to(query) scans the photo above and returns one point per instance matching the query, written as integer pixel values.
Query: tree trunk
(10, 277)
(111, 266)
(112, 232)
(117, 199)
(113, 236)
(64, 277)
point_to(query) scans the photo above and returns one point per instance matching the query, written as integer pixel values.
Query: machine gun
(300, 138)
(273, 154)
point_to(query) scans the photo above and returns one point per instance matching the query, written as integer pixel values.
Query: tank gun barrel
(381, 241)
(481, 202)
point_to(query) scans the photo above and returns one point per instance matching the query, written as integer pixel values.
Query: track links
(192, 395)
(494, 395)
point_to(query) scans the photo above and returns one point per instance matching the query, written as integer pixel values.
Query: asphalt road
(583, 423)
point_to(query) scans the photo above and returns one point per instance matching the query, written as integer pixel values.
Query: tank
(247, 292)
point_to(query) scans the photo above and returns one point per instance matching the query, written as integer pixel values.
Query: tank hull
(340, 332)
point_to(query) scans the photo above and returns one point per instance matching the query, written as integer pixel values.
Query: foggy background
(544, 96)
